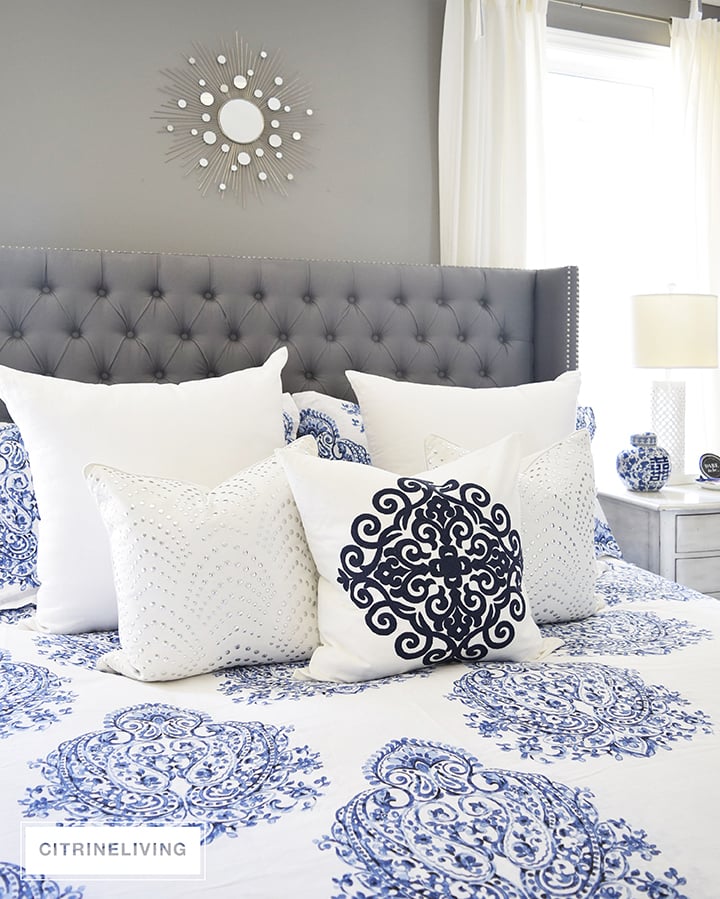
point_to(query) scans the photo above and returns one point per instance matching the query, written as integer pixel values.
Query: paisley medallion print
(157, 764)
(81, 650)
(439, 568)
(435, 823)
(289, 429)
(31, 697)
(11, 616)
(624, 633)
(574, 711)
(585, 418)
(604, 540)
(18, 513)
(15, 883)
(623, 582)
(330, 442)
(264, 684)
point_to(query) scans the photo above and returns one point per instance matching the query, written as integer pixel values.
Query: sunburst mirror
(237, 120)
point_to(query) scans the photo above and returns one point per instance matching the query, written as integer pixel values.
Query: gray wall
(83, 164)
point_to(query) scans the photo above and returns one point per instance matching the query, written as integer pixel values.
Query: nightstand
(674, 532)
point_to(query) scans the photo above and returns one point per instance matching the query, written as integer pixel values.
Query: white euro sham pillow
(556, 488)
(207, 579)
(399, 415)
(202, 431)
(415, 570)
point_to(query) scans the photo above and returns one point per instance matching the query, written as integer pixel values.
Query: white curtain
(695, 189)
(491, 139)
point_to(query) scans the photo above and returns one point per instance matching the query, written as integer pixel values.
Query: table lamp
(671, 331)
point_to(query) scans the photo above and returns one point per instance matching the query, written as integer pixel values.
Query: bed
(203, 745)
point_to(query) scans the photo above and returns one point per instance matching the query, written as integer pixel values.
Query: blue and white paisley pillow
(605, 542)
(291, 418)
(18, 521)
(336, 425)
(415, 570)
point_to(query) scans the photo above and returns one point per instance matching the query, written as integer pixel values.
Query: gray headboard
(109, 317)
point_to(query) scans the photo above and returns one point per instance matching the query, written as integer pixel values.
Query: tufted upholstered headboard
(109, 317)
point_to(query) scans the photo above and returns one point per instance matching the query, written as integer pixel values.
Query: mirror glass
(241, 121)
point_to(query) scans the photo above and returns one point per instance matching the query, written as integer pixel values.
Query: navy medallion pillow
(415, 570)
(557, 494)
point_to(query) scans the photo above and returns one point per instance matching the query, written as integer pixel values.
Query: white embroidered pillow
(207, 579)
(557, 506)
(398, 415)
(203, 431)
(414, 570)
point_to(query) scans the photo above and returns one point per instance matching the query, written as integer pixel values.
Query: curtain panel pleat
(491, 138)
(694, 190)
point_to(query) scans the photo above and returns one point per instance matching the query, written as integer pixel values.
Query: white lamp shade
(675, 330)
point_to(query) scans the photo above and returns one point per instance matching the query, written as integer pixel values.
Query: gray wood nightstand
(674, 532)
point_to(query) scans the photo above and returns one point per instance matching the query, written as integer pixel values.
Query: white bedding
(592, 773)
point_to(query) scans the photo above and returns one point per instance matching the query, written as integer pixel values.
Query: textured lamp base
(668, 421)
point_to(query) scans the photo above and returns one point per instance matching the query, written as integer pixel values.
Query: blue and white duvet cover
(591, 774)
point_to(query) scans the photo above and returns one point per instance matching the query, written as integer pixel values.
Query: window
(605, 175)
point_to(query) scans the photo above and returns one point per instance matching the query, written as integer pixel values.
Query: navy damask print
(11, 616)
(435, 823)
(438, 567)
(264, 684)
(157, 764)
(621, 581)
(18, 513)
(16, 883)
(574, 711)
(81, 650)
(330, 442)
(624, 633)
(31, 697)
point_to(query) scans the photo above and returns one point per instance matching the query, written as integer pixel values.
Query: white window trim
(589, 55)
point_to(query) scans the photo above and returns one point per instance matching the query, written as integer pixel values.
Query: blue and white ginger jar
(645, 466)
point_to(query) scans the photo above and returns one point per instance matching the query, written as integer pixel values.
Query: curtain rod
(613, 12)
